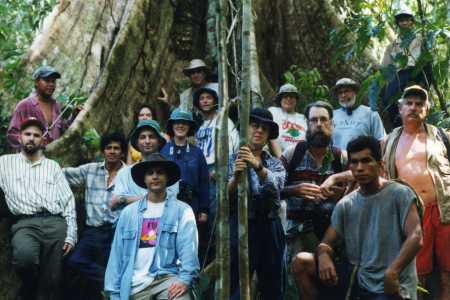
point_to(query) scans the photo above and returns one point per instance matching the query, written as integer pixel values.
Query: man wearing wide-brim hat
(292, 124)
(353, 119)
(147, 138)
(198, 73)
(40, 105)
(154, 252)
(266, 239)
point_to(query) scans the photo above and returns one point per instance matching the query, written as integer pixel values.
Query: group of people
(352, 212)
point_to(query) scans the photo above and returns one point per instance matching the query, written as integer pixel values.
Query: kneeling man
(154, 252)
(379, 225)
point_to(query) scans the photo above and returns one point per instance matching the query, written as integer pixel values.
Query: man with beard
(307, 165)
(40, 105)
(39, 197)
(351, 119)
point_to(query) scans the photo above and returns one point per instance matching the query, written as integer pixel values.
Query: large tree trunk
(120, 53)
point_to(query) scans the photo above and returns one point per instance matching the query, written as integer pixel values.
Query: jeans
(91, 254)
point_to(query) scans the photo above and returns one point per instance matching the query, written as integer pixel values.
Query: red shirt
(29, 107)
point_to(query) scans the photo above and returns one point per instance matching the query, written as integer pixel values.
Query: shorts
(436, 242)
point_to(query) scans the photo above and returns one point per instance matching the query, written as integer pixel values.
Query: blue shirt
(362, 121)
(176, 250)
(97, 193)
(194, 172)
(265, 195)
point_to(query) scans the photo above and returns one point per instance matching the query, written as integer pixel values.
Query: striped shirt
(97, 194)
(39, 186)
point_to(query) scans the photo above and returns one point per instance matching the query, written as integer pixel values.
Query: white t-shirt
(205, 138)
(292, 127)
(144, 257)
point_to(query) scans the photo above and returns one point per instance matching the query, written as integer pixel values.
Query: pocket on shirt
(167, 242)
(168, 236)
(128, 240)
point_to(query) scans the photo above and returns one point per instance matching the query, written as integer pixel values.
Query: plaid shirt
(94, 177)
(307, 171)
(35, 187)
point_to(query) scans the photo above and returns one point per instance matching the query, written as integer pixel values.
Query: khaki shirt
(437, 164)
(412, 52)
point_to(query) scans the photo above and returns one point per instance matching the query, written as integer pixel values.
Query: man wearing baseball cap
(40, 105)
(45, 227)
(154, 252)
(352, 119)
(198, 72)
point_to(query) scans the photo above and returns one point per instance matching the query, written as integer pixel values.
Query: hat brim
(416, 92)
(279, 96)
(55, 74)
(139, 169)
(335, 88)
(135, 134)
(192, 126)
(273, 127)
(188, 71)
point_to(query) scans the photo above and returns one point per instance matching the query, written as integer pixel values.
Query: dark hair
(138, 110)
(320, 104)
(365, 142)
(397, 18)
(118, 137)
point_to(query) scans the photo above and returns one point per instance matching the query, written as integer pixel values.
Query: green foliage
(18, 23)
(19, 20)
(367, 24)
(308, 82)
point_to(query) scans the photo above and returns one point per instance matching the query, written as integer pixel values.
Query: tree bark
(222, 287)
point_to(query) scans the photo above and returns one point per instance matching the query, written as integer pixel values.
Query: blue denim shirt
(267, 191)
(175, 252)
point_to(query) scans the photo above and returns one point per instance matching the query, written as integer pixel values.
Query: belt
(41, 214)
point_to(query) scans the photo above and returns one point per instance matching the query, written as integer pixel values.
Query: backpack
(299, 153)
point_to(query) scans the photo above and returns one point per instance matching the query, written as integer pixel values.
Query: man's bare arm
(329, 186)
(325, 252)
(409, 249)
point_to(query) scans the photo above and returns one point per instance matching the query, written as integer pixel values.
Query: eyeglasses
(263, 126)
(319, 120)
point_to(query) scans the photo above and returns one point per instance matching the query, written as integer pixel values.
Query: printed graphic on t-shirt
(149, 232)
(205, 140)
(292, 132)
